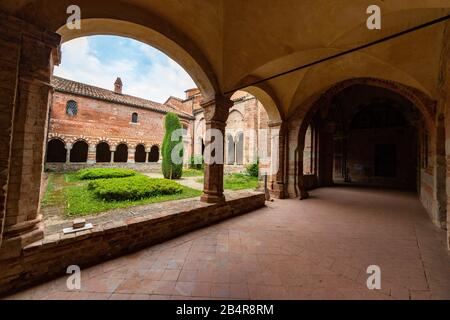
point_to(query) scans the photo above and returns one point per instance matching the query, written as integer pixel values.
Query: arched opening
(154, 154)
(231, 155)
(140, 155)
(240, 148)
(366, 135)
(56, 151)
(121, 153)
(79, 152)
(253, 112)
(175, 45)
(103, 153)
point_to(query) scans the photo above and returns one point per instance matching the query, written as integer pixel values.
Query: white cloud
(156, 81)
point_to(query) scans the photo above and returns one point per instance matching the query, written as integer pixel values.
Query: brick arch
(154, 153)
(61, 137)
(156, 32)
(56, 150)
(121, 153)
(102, 151)
(424, 103)
(140, 154)
(79, 151)
(81, 138)
(124, 141)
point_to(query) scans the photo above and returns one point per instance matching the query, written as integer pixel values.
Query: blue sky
(145, 71)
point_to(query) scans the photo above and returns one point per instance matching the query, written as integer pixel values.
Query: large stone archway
(429, 182)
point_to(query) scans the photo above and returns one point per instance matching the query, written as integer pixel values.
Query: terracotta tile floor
(314, 249)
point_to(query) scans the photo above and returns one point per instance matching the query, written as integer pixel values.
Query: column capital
(216, 110)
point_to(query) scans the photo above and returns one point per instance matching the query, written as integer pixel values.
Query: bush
(170, 169)
(196, 162)
(104, 173)
(133, 188)
(253, 169)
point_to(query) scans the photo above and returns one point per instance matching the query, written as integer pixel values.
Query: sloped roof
(82, 89)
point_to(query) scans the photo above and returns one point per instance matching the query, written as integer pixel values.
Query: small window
(134, 117)
(71, 108)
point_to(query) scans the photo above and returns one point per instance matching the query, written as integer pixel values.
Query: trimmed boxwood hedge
(133, 188)
(104, 173)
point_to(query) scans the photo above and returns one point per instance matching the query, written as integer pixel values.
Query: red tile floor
(319, 248)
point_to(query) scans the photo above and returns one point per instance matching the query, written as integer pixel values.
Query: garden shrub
(196, 162)
(253, 169)
(104, 173)
(170, 169)
(133, 188)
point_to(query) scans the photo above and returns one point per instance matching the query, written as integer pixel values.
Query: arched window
(56, 151)
(240, 148)
(71, 108)
(134, 117)
(121, 153)
(231, 155)
(154, 154)
(79, 152)
(139, 154)
(103, 154)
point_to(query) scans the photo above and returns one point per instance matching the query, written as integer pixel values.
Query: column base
(12, 247)
(278, 191)
(209, 198)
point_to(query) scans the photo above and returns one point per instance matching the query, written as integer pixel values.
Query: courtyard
(290, 249)
(343, 118)
(67, 196)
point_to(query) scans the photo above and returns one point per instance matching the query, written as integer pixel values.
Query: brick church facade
(91, 126)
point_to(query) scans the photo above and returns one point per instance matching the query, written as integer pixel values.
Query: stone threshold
(125, 232)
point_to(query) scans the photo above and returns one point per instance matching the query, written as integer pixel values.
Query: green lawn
(68, 191)
(237, 181)
(192, 173)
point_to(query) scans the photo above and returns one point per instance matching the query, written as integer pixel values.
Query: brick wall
(99, 120)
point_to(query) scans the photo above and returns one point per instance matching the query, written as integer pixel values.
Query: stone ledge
(49, 258)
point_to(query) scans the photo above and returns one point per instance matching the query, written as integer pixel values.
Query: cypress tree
(170, 169)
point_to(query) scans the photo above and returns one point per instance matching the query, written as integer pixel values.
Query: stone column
(216, 114)
(113, 150)
(68, 149)
(147, 156)
(92, 154)
(279, 136)
(131, 155)
(27, 61)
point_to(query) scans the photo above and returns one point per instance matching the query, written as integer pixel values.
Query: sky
(145, 71)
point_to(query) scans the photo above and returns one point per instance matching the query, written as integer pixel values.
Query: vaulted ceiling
(225, 44)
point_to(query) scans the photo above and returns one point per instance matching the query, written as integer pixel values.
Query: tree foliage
(171, 167)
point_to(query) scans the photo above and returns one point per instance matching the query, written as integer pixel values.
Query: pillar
(131, 155)
(92, 154)
(26, 66)
(68, 149)
(216, 114)
(112, 154)
(279, 136)
(443, 131)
